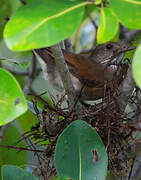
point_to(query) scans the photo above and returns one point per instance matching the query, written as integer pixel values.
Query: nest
(113, 126)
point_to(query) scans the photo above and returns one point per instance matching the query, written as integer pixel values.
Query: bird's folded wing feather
(88, 68)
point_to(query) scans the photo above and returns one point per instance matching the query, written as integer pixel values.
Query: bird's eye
(109, 46)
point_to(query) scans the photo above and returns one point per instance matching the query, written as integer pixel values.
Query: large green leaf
(15, 173)
(12, 156)
(137, 66)
(12, 101)
(128, 12)
(43, 23)
(80, 153)
(108, 26)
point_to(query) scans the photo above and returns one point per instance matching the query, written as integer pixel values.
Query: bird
(90, 73)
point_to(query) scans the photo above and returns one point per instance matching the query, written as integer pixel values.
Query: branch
(47, 105)
(20, 148)
(31, 72)
(126, 89)
(3, 130)
(62, 45)
(91, 19)
(128, 83)
(68, 45)
(132, 152)
(136, 170)
(64, 73)
(50, 71)
(128, 36)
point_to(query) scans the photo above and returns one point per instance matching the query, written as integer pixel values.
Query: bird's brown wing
(87, 68)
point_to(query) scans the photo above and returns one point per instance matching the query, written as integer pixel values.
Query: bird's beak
(128, 49)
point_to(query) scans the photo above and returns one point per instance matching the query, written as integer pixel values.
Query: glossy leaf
(80, 153)
(136, 66)
(10, 172)
(128, 12)
(44, 23)
(12, 101)
(108, 26)
(12, 156)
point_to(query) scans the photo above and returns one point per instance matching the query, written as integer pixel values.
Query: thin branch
(3, 130)
(32, 72)
(20, 148)
(91, 19)
(44, 101)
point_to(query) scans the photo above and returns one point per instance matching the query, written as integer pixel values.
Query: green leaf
(12, 101)
(15, 173)
(90, 9)
(5, 12)
(80, 153)
(44, 23)
(12, 156)
(27, 120)
(58, 178)
(97, 2)
(108, 26)
(7, 8)
(135, 43)
(136, 66)
(128, 12)
(14, 4)
(17, 61)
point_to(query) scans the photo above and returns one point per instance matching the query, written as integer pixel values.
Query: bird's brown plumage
(93, 70)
